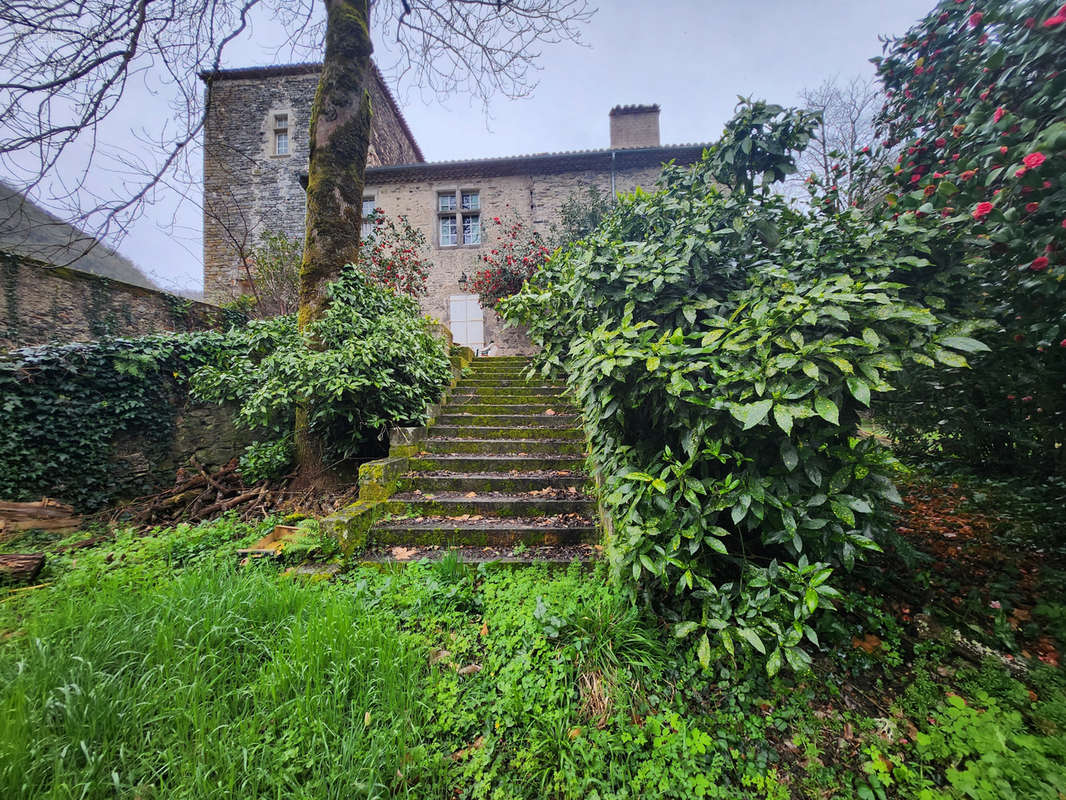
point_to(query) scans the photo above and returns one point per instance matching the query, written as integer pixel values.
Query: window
(368, 224)
(281, 134)
(459, 214)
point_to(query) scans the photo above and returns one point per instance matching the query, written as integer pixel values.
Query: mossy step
(453, 532)
(489, 463)
(508, 398)
(490, 482)
(538, 409)
(483, 432)
(449, 417)
(531, 446)
(475, 383)
(501, 557)
(501, 359)
(457, 504)
(494, 390)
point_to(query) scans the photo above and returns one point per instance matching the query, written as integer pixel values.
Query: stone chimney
(634, 126)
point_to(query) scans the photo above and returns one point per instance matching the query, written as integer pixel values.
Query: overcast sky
(692, 57)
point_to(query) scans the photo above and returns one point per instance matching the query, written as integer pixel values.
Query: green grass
(156, 667)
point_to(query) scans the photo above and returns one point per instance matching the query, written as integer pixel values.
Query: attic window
(281, 134)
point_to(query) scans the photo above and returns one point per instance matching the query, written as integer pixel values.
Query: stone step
(454, 504)
(536, 409)
(509, 399)
(493, 390)
(494, 463)
(502, 360)
(528, 446)
(571, 421)
(483, 432)
(453, 531)
(492, 481)
(506, 557)
(471, 384)
(473, 380)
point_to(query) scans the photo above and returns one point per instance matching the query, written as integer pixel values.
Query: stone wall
(201, 434)
(43, 304)
(248, 188)
(535, 198)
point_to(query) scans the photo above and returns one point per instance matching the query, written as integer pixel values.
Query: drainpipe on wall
(613, 195)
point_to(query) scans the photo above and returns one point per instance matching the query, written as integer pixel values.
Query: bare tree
(65, 66)
(836, 153)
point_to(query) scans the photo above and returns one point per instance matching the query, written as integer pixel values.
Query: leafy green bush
(372, 360)
(722, 346)
(976, 104)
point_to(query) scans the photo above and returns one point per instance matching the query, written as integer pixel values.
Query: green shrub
(722, 346)
(371, 361)
(976, 106)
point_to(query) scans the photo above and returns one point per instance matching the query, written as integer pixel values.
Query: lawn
(159, 667)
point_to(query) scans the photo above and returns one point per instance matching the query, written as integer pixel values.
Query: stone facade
(43, 304)
(250, 188)
(241, 172)
(532, 187)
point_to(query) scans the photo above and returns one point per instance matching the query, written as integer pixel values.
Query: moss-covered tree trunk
(340, 138)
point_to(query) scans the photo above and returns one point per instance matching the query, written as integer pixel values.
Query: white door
(467, 321)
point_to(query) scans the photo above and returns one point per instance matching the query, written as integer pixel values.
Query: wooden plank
(20, 567)
(46, 514)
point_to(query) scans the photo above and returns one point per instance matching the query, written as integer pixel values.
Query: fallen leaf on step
(869, 642)
(549, 413)
(470, 669)
(439, 655)
(470, 494)
(403, 553)
(484, 629)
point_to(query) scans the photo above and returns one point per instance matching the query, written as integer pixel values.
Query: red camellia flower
(1039, 264)
(1003, 150)
(1031, 207)
(929, 190)
(982, 210)
(975, 19)
(965, 176)
(1034, 160)
(916, 177)
(998, 115)
(1019, 172)
(941, 142)
(1056, 20)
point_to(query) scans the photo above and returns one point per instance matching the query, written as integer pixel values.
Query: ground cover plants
(155, 664)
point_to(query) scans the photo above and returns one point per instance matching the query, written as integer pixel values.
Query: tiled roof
(562, 161)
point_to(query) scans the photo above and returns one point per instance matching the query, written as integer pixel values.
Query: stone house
(255, 164)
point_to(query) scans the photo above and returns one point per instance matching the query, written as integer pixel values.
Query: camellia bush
(395, 254)
(721, 345)
(516, 253)
(976, 105)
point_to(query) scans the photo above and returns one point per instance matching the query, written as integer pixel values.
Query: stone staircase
(502, 464)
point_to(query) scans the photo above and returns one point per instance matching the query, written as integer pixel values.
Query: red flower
(1030, 23)
(917, 176)
(1039, 264)
(1020, 171)
(996, 117)
(975, 19)
(982, 210)
(1058, 19)
(1034, 160)
(965, 176)
(940, 142)
(1031, 207)
(1003, 150)
(984, 94)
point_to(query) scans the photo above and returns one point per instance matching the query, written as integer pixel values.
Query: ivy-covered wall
(40, 303)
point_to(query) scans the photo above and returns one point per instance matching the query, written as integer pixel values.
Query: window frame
(363, 231)
(458, 215)
(281, 129)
